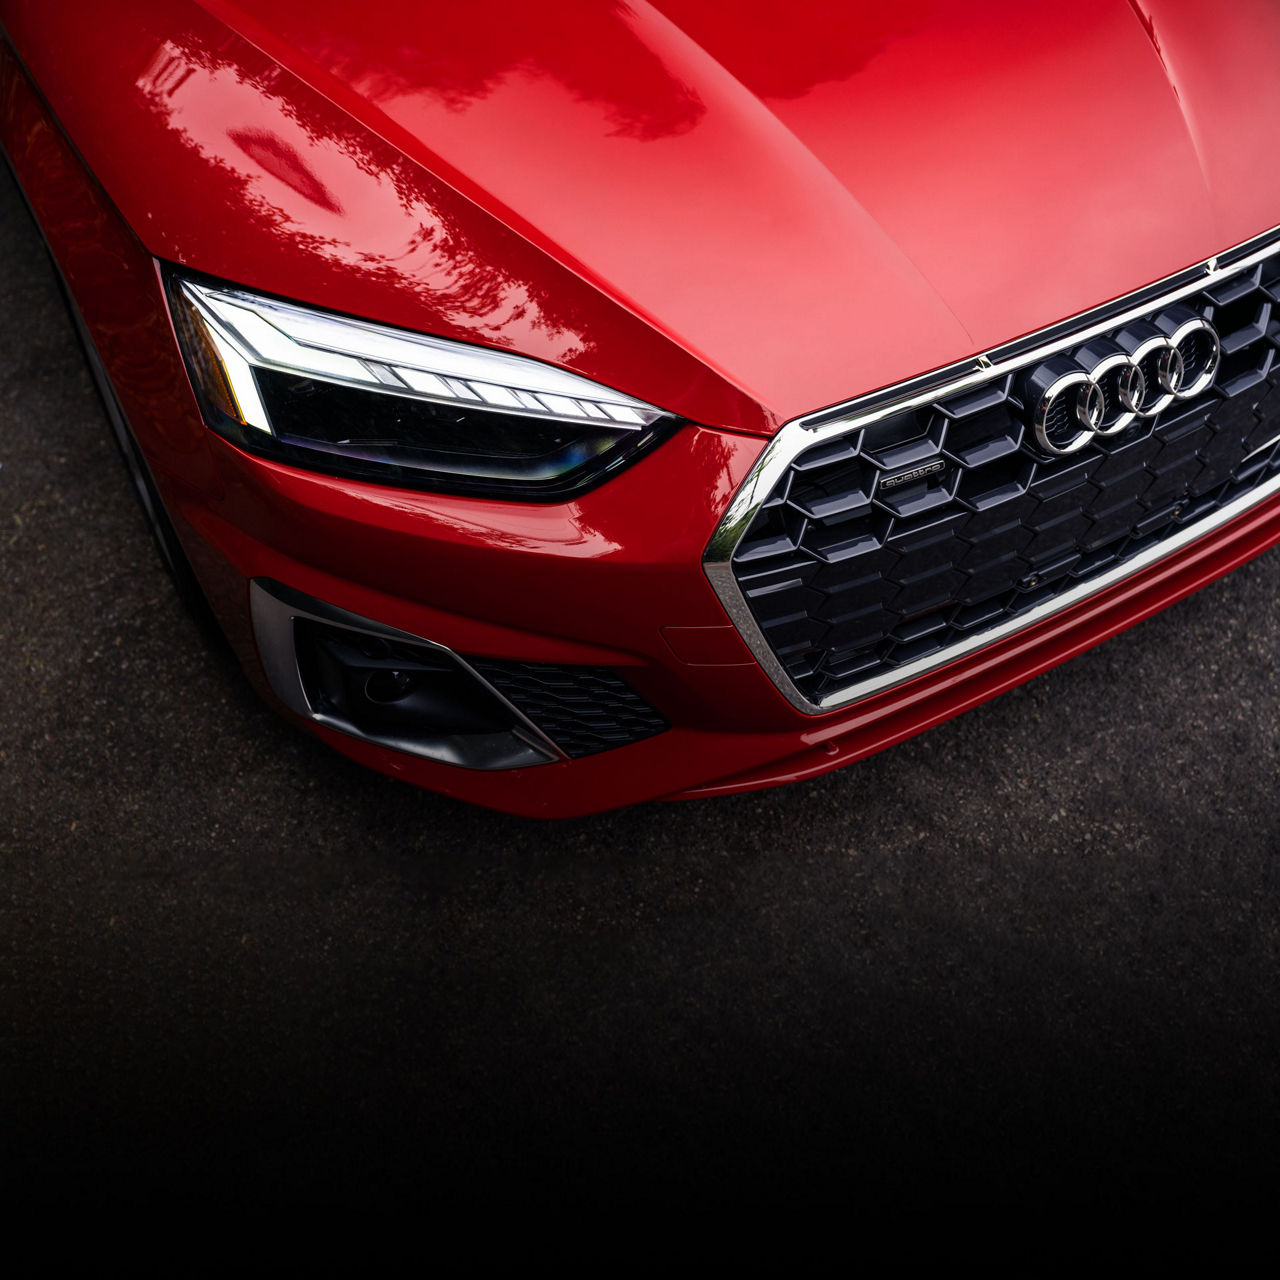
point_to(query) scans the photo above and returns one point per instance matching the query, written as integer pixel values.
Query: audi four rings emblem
(1102, 387)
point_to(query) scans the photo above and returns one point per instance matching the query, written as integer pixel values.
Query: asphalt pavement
(1032, 952)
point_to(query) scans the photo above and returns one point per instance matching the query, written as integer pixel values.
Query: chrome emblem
(1109, 382)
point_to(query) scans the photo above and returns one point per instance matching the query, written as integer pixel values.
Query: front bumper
(571, 585)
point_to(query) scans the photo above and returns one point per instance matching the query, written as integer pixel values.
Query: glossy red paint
(739, 213)
(238, 168)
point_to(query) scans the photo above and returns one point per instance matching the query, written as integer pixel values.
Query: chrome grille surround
(970, 375)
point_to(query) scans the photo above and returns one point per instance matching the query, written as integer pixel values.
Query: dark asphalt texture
(1031, 953)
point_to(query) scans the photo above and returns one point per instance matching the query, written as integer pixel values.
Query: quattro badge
(916, 473)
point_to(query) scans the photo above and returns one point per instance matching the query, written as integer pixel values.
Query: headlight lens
(353, 398)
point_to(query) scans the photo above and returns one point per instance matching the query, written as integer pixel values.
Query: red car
(564, 406)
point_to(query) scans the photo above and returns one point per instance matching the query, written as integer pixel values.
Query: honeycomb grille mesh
(850, 578)
(582, 710)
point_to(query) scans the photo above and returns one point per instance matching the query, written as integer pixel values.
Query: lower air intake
(583, 710)
(382, 685)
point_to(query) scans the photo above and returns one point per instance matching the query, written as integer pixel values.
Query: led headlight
(352, 398)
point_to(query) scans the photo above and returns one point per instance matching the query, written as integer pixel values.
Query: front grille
(850, 576)
(582, 710)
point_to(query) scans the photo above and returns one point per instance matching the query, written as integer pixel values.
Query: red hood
(740, 211)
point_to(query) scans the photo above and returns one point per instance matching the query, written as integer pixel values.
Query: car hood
(742, 212)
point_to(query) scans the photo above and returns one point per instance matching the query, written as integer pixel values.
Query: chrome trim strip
(809, 429)
(1262, 448)
(274, 608)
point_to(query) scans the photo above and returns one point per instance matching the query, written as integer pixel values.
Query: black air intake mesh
(581, 709)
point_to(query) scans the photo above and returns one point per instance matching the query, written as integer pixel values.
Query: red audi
(566, 405)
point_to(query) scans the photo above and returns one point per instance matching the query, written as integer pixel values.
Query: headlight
(357, 399)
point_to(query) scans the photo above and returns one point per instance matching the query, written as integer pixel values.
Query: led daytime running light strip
(248, 331)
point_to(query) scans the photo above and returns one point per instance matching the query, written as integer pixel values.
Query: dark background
(1031, 952)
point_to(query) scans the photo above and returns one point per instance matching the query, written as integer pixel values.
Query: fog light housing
(388, 687)
(385, 687)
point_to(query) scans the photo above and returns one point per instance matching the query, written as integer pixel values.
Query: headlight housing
(353, 398)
